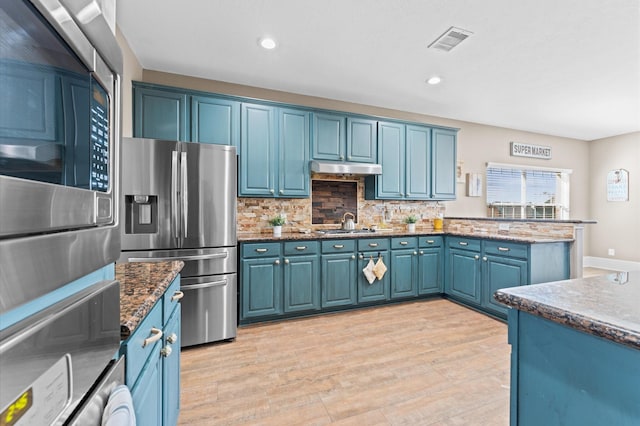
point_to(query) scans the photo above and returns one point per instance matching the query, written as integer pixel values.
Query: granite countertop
(141, 285)
(605, 305)
(315, 235)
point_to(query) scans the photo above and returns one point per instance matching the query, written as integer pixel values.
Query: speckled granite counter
(606, 306)
(141, 285)
(258, 237)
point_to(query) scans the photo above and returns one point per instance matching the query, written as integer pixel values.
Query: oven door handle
(183, 258)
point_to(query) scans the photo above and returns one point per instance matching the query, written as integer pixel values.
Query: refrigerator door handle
(174, 194)
(185, 193)
(203, 285)
(183, 258)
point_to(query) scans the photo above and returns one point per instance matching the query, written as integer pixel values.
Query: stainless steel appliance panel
(209, 308)
(50, 360)
(150, 170)
(205, 261)
(208, 195)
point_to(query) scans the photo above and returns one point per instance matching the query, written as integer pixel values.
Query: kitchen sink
(346, 231)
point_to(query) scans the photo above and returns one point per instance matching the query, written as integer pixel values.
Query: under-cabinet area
(284, 279)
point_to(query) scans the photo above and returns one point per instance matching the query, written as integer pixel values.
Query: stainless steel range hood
(340, 168)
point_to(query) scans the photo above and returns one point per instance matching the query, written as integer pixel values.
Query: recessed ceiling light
(434, 80)
(268, 43)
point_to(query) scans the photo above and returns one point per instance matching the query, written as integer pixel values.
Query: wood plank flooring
(429, 362)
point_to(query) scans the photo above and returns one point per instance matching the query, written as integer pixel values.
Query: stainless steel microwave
(60, 68)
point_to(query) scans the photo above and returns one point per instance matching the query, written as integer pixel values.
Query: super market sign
(532, 151)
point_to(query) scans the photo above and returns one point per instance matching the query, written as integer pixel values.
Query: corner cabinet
(152, 362)
(418, 163)
(477, 268)
(274, 146)
(338, 137)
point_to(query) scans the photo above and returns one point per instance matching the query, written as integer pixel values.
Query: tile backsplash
(254, 213)
(331, 199)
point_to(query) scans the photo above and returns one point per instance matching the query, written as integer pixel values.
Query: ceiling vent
(450, 39)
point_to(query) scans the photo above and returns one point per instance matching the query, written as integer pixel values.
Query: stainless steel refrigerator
(179, 203)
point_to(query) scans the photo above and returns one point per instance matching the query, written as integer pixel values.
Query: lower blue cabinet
(430, 271)
(261, 287)
(501, 272)
(404, 267)
(301, 283)
(378, 290)
(338, 280)
(152, 362)
(463, 275)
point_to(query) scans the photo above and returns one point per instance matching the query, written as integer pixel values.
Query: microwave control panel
(99, 139)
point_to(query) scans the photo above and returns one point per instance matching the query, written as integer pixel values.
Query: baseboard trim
(611, 264)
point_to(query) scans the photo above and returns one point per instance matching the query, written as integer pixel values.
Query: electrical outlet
(611, 252)
(503, 227)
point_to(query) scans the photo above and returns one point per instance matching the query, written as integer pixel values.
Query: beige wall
(619, 221)
(132, 71)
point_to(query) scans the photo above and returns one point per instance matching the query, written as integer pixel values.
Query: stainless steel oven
(59, 136)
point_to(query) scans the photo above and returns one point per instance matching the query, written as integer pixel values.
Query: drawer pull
(177, 296)
(430, 241)
(373, 244)
(262, 250)
(338, 246)
(301, 248)
(462, 243)
(504, 248)
(157, 335)
(404, 243)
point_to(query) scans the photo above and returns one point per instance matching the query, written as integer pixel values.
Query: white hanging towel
(368, 272)
(119, 410)
(379, 269)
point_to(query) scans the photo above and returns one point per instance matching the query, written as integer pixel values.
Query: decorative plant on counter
(410, 219)
(411, 222)
(277, 223)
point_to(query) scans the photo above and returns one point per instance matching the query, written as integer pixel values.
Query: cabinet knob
(415, 253)
(421, 252)
(277, 261)
(172, 338)
(476, 257)
(342, 157)
(166, 351)
(281, 192)
(349, 158)
(353, 256)
(272, 191)
(484, 258)
(286, 261)
(407, 194)
(361, 256)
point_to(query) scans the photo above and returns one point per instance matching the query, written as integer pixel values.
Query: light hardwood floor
(429, 362)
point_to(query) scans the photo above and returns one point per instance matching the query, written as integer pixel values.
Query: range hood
(342, 168)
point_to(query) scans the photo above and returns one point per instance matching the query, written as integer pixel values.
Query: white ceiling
(560, 67)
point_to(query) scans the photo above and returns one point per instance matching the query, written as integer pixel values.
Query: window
(526, 192)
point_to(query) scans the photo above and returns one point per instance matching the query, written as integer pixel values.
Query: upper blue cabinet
(337, 137)
(418, 163)
(215, 120)
(160, 114)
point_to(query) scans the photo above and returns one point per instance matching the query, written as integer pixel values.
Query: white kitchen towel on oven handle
(368, 272)
(119, 410)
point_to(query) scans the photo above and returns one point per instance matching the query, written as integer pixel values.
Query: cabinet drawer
(260, 250)
(502, 248)
(429, 241)
(463, 243)
(373, 244)
(135, 349)
(292, 248)
(338, 246)
(404, 242)
(171, 298)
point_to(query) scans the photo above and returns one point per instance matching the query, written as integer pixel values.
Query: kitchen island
(575, 351)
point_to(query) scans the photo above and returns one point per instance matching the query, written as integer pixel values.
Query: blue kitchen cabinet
(338, 137)
(417, 164)
(362, 140)
(293, 145)
(301, 283)
(463, 269)
(338, 274)
(215, 120)
(274, 146)
(258, 147)
(391, 152)
(329, 136)
(261, 287)
(501, 272)
(380, 289)
(404, 267)
(443, 164)
(160, 114)
(430, 265)
(152, 361)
